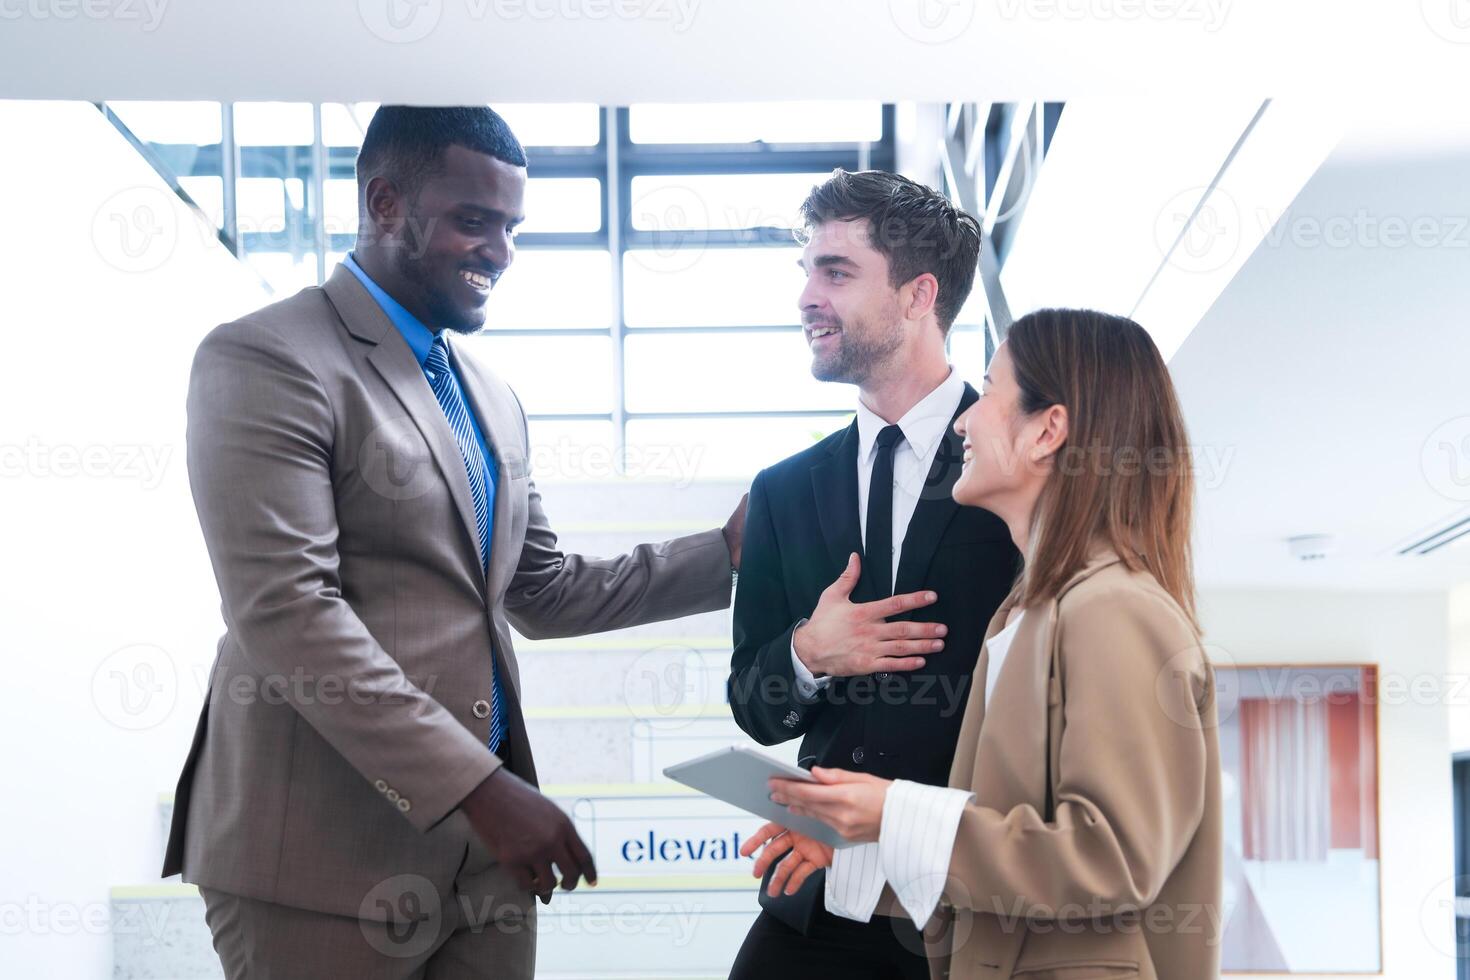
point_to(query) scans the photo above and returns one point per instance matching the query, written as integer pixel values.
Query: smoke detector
(1311, 547)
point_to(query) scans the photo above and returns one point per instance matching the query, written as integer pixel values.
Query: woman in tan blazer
(1080, 836)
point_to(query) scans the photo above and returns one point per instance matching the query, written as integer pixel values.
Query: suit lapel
(394, 360)
(1011, 754)
(500, 424)
(935, 509)
(834, 482)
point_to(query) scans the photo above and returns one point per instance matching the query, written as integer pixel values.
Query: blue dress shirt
(419, 338)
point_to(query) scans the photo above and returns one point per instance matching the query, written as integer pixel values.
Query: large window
(653, 300)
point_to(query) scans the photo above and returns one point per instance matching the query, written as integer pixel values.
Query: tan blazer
(348, 710)
(1093, 846)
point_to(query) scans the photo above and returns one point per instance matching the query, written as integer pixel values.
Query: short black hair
(915, 227)
(406, 143)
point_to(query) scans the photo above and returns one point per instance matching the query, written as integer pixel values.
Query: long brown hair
(1125, 474)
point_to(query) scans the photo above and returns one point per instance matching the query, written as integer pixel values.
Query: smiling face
(1008, 454)
(452, 242)
(849, 311)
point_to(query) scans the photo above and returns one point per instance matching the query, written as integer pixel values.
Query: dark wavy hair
(915, 227)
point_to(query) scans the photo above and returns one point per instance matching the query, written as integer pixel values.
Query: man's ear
(384, 204)
(919, 295)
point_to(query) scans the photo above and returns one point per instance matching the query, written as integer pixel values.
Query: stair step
(689, 927)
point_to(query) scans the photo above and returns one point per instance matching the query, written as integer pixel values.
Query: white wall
(105, 578)
(1407, 636)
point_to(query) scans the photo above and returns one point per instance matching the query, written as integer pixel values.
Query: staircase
(606, 714)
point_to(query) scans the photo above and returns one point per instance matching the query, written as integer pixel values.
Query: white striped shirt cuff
(915, 841)
(854, 882)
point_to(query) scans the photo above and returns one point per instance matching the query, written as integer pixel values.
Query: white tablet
(738, 776)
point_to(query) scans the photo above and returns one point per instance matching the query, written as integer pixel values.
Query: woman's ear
(1053, 434)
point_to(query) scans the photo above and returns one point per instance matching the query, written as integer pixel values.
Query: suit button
(404, 805)
(393, 796)
(857, 755)
(481, 709)
(380, 786)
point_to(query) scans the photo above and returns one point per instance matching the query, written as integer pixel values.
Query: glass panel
(550, 374)
(285, 273)
(973, 313)
(343, 123)
(750, 122)
(571, 450)
(196, 123)
(341, 206)
(967, 353)
(724, 372)
(273, 123)
(554, 287)
(723, 449)
(209, 194)
(719, 201)
(261, 204)
(694, 286)
(565, 204)
(552, 124)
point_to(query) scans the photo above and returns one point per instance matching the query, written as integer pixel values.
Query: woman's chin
(964, 491)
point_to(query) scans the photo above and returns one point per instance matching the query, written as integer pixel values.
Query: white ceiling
(1326, 389)
(622, 51)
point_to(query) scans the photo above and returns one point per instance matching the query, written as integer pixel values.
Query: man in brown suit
(359, 800)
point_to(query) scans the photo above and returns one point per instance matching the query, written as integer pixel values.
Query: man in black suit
(865, 589)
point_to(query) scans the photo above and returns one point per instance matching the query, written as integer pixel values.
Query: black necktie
(879, 542)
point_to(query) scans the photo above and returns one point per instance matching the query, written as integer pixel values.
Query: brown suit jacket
(348, 710)
(1093, 846)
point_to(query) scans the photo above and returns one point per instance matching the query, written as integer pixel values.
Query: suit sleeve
(1131, 780)
(554, 594)
(259, 446)
(762, 687)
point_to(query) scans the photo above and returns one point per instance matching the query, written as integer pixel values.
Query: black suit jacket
(801, 525)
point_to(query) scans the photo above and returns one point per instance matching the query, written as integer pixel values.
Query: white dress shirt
(924, 427)
(915, 839)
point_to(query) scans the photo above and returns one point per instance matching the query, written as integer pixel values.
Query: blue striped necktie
(446, 390)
